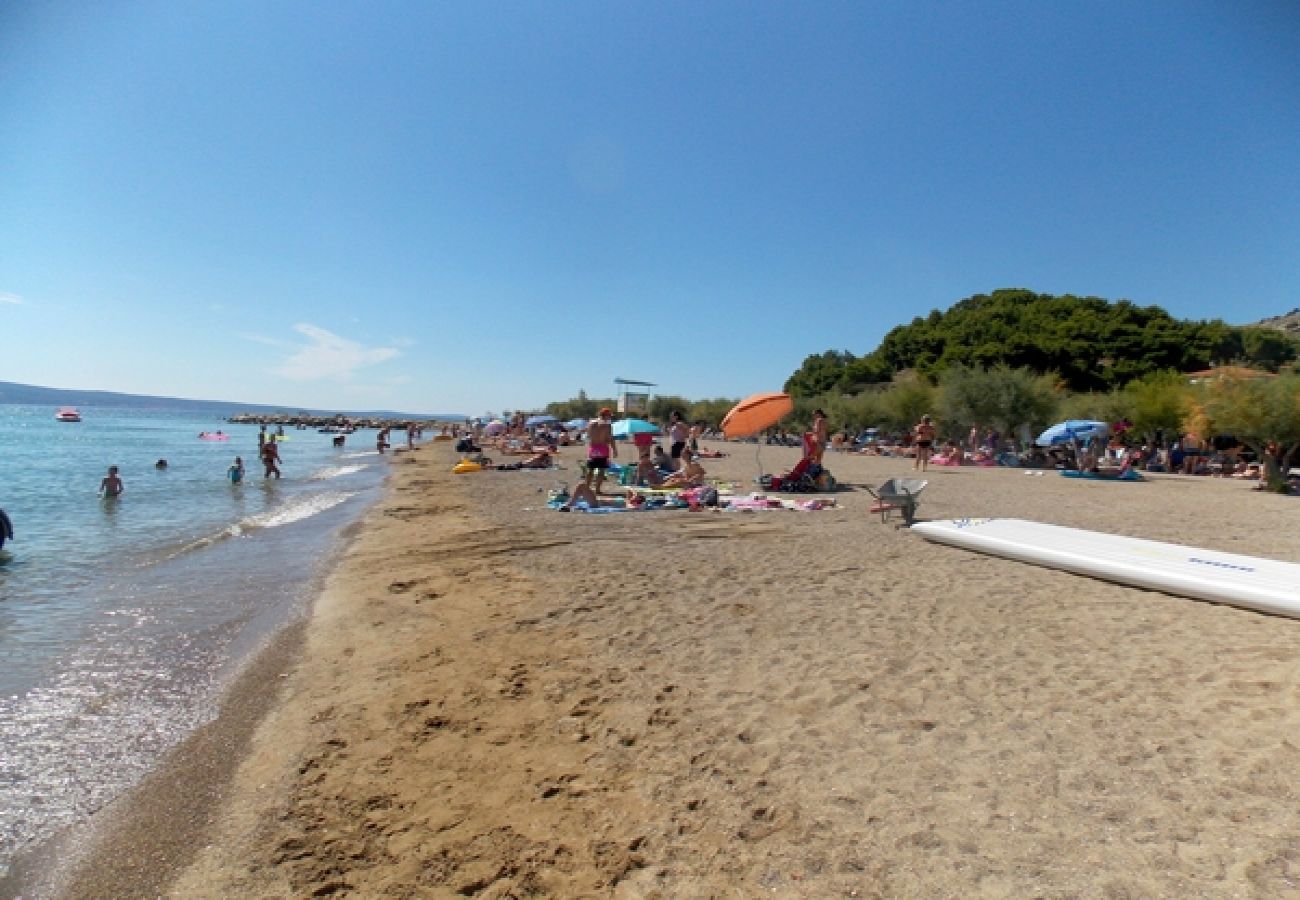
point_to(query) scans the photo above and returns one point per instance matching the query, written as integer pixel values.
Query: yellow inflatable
(466, 466)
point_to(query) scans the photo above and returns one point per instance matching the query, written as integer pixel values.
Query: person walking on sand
(111, 485)
(600, 448)
(271, 459)
(923, 434)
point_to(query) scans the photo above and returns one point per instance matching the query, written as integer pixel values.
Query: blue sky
(441, 207)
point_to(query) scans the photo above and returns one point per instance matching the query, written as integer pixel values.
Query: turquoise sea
(121, 620)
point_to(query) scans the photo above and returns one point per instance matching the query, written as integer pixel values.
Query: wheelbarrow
(900, 495)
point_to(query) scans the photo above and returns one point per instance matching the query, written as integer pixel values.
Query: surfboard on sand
(1267, 585)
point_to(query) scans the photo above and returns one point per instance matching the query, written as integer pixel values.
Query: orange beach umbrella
(755, 413)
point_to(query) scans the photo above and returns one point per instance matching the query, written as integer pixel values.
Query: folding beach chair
(898, 494)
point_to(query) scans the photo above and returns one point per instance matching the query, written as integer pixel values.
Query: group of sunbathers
(656, 470)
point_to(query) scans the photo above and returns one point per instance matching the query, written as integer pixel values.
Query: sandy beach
(495, 699)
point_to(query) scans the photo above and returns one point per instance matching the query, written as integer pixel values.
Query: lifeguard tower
(632, 402)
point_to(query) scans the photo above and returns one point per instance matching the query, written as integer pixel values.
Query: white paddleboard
(1268, 585)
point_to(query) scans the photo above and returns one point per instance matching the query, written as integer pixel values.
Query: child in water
(236, 471)
(111, 485)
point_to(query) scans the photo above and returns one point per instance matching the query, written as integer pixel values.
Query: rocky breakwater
(303, 420)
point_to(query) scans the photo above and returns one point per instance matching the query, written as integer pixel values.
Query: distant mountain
(1288, 322)
(28, 394)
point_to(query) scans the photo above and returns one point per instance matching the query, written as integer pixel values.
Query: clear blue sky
(462, 207)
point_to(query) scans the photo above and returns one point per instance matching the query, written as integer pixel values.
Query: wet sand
(495, 699)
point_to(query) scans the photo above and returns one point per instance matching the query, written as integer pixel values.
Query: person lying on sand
(522, 448)
(540, 460)
(585, 497)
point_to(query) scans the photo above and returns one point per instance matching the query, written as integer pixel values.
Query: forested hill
(1089, 342)
(34, 395)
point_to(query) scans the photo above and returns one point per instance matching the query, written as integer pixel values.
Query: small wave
(206, 541)
(360, 455)
(294, 511)
(335, 472)
(297, 510)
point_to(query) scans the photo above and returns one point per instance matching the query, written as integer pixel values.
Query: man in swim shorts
(600, 448)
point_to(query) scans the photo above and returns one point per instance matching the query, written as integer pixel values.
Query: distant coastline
(12, 392)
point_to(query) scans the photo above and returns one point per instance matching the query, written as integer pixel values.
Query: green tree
(1003, 397)
(711, 412)
(1156, 404)
(820, 373)
(903, 404)
(662, 406)
(1210, 342)
(1261, 413)
(1267, 348)
(865, 409)
(1098, 406)
(579, 407)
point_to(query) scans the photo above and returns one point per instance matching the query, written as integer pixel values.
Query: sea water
(121, 619)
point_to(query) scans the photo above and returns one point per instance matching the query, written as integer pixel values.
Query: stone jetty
(305, 420)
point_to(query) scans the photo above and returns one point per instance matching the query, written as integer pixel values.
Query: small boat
(67, 414)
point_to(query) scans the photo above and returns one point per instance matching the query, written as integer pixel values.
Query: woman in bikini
(923, 434)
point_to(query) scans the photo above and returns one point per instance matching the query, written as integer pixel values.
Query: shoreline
(145, 838)
(492, 698)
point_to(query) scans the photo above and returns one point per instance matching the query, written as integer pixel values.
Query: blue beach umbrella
(625, 428)
(1082, 430)
(534, 421)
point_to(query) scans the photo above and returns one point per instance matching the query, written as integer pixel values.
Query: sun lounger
(898, 495)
